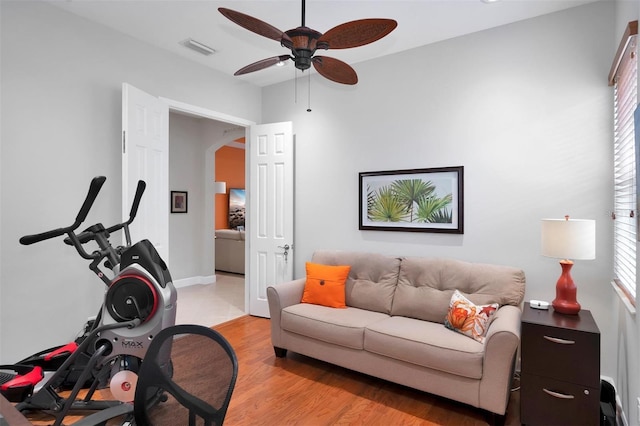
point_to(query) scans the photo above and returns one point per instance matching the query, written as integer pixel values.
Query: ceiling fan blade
(335, 70)
(255, 25)
(260, 65)
(356, 33)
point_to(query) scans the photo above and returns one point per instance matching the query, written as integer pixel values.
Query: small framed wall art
(416, 200)
(179, 201)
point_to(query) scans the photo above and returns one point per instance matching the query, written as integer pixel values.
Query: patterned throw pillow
(325, 285)
(469, 319)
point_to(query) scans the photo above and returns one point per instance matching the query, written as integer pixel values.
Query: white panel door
(270, 211)
(145, 156)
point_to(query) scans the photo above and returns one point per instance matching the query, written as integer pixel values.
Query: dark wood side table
(560, 368)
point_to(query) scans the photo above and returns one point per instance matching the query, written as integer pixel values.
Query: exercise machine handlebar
(90, 233)
(94, 189)
(132, 214)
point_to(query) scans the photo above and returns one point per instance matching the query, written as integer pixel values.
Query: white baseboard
(185, 282)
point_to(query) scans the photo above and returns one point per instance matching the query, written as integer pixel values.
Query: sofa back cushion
(425, 286)
(230, 234)
(372, 280)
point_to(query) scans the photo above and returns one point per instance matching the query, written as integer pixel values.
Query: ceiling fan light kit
(303, 42)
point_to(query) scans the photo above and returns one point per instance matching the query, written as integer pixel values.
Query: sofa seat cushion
(344, 327)
(426, 344)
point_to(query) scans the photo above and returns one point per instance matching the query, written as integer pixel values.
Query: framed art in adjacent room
(179, 200)
(236, 208)
(416, 200)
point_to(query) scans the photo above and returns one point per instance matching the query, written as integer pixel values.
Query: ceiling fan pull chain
(309, 94)
(295, 85)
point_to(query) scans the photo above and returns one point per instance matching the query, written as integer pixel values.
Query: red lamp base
(565, 301)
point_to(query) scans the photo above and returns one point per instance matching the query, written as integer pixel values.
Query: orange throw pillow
(325, 285)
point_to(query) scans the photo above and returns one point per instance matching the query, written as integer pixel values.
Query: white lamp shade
(220, 187)
(569, 238)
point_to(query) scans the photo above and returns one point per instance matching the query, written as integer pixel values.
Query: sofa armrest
(506, 320)
(286, 294)
(279, 297)
(501, 346)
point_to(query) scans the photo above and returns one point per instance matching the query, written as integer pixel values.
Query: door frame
(200, 112)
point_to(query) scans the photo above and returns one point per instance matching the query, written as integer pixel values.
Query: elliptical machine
(139, 302)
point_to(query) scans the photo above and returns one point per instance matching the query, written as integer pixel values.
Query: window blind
(624, 77)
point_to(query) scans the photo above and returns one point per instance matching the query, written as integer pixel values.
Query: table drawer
(547, 401)
(567, 355)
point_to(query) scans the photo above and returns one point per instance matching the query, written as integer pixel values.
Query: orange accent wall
(229, 169)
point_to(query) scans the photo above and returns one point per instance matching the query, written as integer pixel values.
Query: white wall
(525, 108)
(61, 82)
(186, 173)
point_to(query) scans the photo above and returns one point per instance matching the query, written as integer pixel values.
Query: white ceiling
(167, 23)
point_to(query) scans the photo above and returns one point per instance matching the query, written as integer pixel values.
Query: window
(624, 79)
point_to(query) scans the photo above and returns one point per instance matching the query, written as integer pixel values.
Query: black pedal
(18, 384)
(5, 377)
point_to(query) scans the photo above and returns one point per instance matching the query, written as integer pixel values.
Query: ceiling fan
(304, 41)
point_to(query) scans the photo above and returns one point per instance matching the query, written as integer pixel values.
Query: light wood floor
(298, 390)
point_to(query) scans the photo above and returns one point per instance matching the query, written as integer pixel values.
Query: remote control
(539, 304)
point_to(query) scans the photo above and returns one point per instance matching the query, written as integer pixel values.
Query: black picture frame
(414, 200)
(179, 201)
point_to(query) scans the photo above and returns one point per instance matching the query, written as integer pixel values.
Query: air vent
(201, 48)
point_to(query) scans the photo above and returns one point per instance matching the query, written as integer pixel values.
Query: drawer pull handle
(561, 341)
(558, 395)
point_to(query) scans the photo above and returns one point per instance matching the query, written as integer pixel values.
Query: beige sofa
(230, 250)
(393, 327)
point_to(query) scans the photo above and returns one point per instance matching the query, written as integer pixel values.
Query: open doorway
(205, 296)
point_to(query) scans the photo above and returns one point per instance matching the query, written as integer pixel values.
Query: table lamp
(568, 239)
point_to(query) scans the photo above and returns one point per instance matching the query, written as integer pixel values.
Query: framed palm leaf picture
(417, 200)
